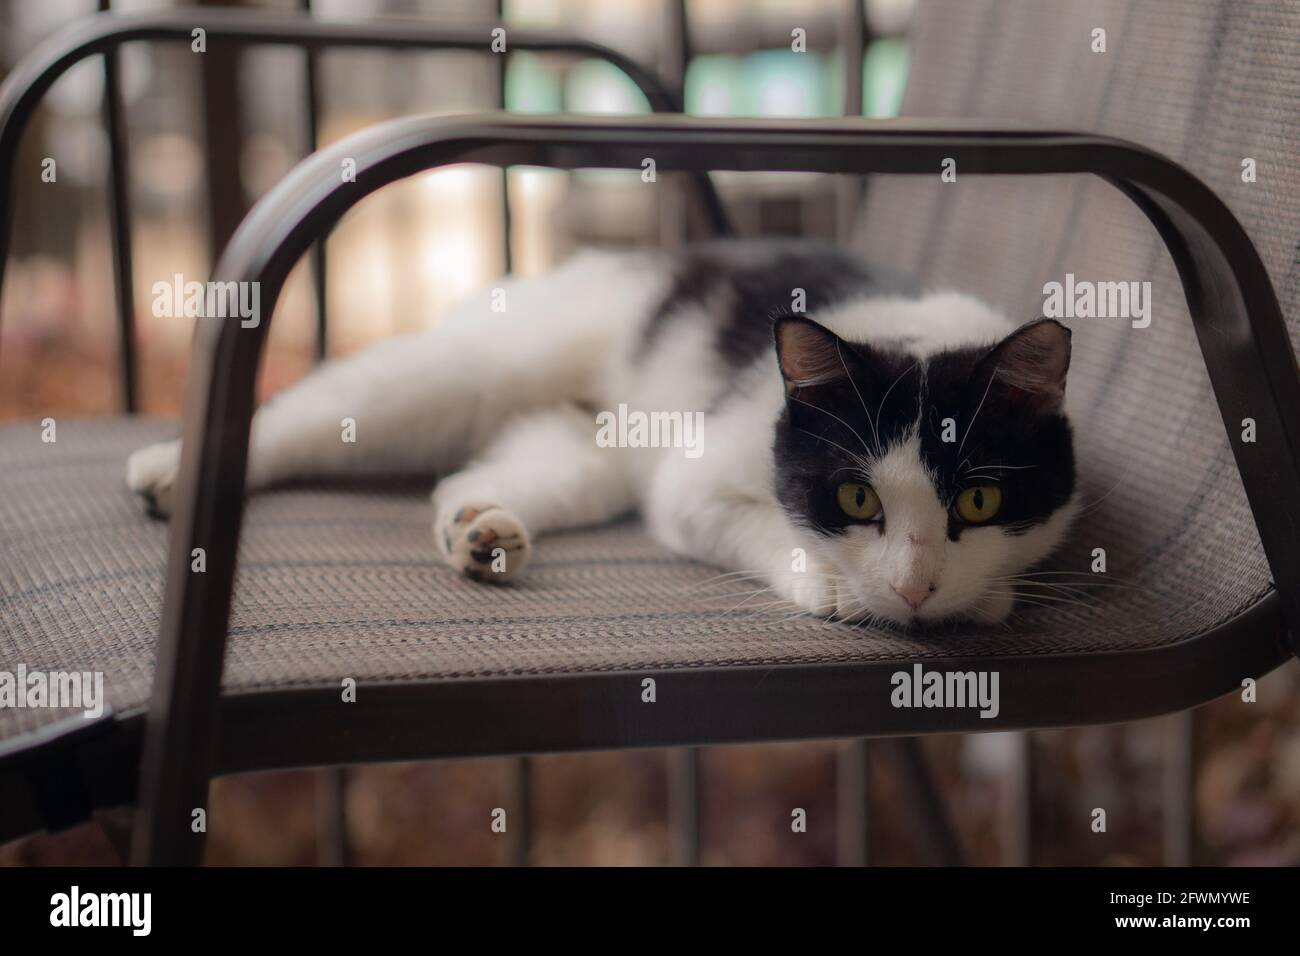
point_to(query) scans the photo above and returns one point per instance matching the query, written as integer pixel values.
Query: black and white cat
(879, 456)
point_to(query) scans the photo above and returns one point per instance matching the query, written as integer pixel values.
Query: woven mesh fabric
(342, 583)
(1207, 83)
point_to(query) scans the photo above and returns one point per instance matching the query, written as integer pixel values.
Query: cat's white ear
(808, 354)
(1029, 366)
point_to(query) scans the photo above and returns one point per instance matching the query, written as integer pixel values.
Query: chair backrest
(1210, 83)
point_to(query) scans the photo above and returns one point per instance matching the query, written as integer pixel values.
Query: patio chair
(1197, 524)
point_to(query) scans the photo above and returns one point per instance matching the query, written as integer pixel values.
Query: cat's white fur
(502, 402)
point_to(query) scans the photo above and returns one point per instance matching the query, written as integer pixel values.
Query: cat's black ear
(809, 355)
(1028, 367)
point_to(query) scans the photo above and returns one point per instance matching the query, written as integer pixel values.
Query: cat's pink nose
(914, 594)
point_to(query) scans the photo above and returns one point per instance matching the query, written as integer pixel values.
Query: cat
(870, 452)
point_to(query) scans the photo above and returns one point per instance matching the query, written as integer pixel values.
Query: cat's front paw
(151, 474)
(812, 591)
(484, 541)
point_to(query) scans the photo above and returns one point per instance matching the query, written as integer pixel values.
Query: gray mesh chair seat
(336, 583)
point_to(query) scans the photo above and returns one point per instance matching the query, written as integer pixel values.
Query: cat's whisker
(1003, 467)
(851, 615)
(824, 411)
(740, 571)
(1013, 593)
(1084, 582)
(1032, 603)
(722, 580)
(1050, 600)
(1082, 585)
(978, 407)
(1058, 599)
(1049, 589)
(988, 617)
(775, 607)
(797, 615)
(875, 435)
(1073, 589)
(752, 595)
(1055, 582)
(858, 459)
(716, 592)
(1012, 585)
(1026, 574)
(880, 411)
(741, 594)
(1082, 575)
(1088, 509)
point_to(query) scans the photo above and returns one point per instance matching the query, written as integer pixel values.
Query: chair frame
(1243, 340)
(191, 731)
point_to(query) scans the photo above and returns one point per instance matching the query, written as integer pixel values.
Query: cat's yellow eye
(858, 501)
(979, 504)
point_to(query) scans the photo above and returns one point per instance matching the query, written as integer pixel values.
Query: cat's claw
(151, 474)
(484, 541)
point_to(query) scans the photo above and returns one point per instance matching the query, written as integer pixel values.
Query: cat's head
(924, 481)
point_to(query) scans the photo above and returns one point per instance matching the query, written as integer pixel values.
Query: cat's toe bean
(484, 541)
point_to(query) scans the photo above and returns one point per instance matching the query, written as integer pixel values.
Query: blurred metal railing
(106, 32)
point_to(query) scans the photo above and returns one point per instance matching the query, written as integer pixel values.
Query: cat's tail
(427, 403)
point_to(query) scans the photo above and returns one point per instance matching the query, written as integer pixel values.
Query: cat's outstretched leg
(399, 407)
(428, 403)
(416, 405)
(419, 404)
(544, 472)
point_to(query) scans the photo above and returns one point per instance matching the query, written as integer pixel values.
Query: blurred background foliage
(403, 256)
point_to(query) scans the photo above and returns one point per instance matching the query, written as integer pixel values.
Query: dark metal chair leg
(115, 824)
(519, 801)
(852, 802)
(332, 847)
(1017, 813)
(684, 805)
(1178, 828)
(933, 828)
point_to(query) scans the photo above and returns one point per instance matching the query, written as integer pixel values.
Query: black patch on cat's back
(743, 285)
